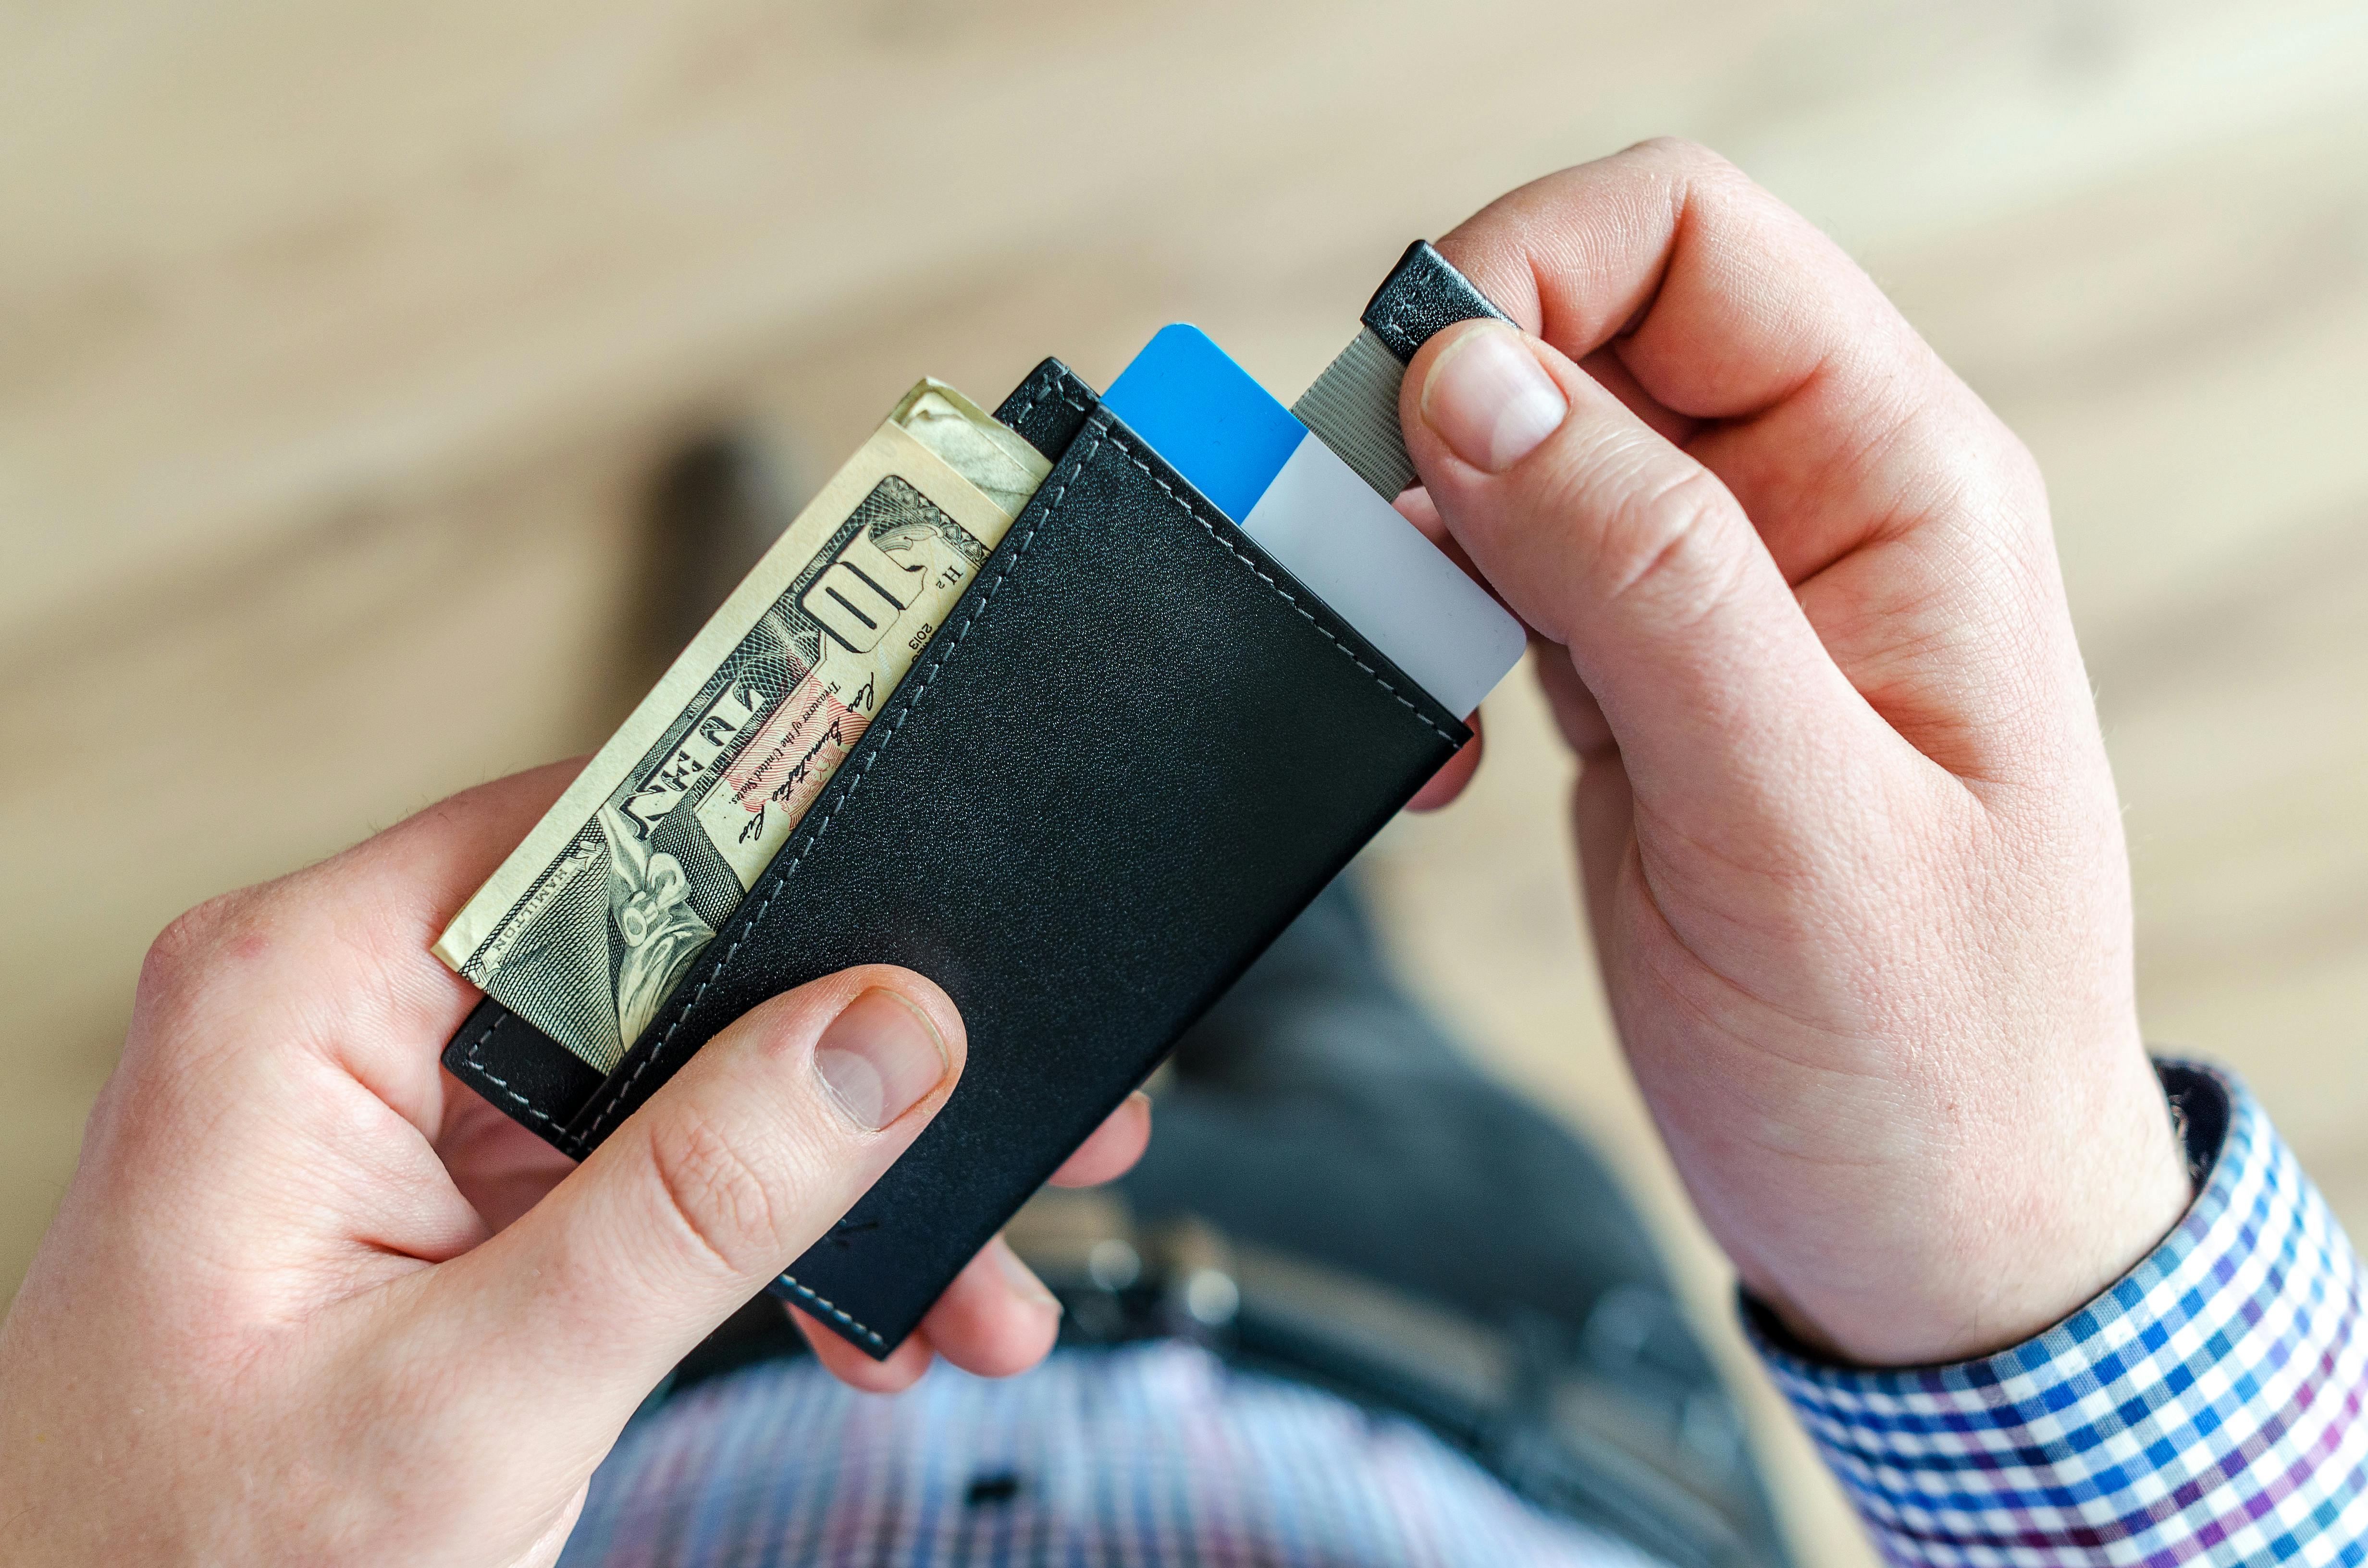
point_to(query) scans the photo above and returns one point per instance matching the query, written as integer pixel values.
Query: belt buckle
(1119, 1280)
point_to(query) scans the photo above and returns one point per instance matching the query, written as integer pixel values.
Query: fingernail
(878, 1058)
(1489, 399)
(1023, 1278)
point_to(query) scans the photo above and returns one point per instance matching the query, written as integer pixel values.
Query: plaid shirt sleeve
(2206, 1409)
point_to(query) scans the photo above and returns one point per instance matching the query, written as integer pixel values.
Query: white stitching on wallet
(1284, 594)
(827, 1304)
(500, 1082)
(1050, 384)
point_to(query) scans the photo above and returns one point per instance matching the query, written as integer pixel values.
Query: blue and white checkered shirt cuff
(2207, 1408)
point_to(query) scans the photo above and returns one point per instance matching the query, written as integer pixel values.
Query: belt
(1590, 1426)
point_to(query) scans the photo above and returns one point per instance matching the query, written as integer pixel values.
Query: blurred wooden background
(331, 335)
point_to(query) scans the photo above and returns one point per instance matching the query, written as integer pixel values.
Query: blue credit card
(1291, 492)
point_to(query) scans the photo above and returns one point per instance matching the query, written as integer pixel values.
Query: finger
(367, 918)
(991, 1319)
(1611, 373)
(981, 1330)
(391, 897)
(382, 901)
(1112, 1149)
(1721, 303)
(1612, 542)
(901, 1370)
(1576, 712)
(314, 998)
(399, 889)
(444, 852)
(1604, 817)
(500, 1167)
(708, 1192)
(1455, 775)
(545, 1551)
(1415, 507)
(1732, 327)
(996, 1318)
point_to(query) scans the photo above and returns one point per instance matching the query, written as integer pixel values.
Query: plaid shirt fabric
(1149, 1456)
(2206, 1409)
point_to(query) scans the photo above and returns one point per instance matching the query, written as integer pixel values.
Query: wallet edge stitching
(1051, 385)
(476, 1064)
(1280, 591)
(833, 1307)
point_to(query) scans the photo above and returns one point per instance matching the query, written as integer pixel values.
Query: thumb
(1610, 540)
(746, 1157)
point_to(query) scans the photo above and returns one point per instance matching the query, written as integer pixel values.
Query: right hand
(1850, 848)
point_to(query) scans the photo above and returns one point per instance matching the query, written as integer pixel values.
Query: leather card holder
(1137, 750)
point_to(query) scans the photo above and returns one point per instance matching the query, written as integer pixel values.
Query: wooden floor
(331, 339)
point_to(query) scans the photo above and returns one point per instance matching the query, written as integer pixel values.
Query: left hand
(307, 1298)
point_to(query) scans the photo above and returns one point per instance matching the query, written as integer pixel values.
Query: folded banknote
(585, 930)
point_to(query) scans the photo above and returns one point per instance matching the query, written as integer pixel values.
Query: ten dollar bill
(585, 930)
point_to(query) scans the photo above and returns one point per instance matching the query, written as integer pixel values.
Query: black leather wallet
(1136, 753)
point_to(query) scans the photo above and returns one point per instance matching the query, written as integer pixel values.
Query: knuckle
(229, 934)
(1659, 540)
(1697, 181)
(1687, 161)
(722, 1206)
(182, 948)
(1677, 150)
(2021, 464)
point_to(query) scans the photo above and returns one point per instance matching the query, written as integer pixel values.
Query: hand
(309, 1299)
(1850, 848)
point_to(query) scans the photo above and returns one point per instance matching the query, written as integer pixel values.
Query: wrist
(2007, 1242)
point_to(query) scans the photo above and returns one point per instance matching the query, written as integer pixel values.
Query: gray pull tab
(1353, 405)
